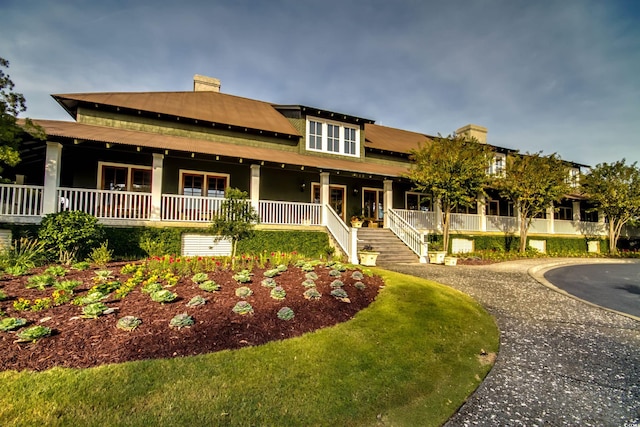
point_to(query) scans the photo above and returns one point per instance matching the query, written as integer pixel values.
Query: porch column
(387, 200)
(438, 207)
(324, 195)
(481, 204)
(254, 187)
(550, 220)
(576, 210)
(156, 187)
(53, 157)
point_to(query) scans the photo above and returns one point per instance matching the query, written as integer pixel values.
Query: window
(194, 183)
(574, 177)
(332, 137)
(123, 177)
(497, 167)
(350, 141)
(418, 202)
(315, 135)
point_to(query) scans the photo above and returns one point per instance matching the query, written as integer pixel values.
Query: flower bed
(77, 340)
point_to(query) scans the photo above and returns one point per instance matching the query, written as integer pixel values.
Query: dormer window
(332, 137)
(497, 167)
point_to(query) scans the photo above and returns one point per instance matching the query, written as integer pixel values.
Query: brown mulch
(77, 342)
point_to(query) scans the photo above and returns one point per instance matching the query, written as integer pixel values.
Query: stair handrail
(345, 236)
(414, 239)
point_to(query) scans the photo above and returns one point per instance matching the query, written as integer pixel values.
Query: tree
(12, 133)
(236, 219)
(533, 182)
(454, 171)
(72, 234)
(615, 190)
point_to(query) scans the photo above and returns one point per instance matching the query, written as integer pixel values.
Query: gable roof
(392, 139)
(211, 107)
(133, 138)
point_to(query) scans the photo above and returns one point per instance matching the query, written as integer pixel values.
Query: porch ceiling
(174, 143)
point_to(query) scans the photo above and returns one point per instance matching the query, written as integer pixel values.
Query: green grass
(411, 358)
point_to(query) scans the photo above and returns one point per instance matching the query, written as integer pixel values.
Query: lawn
(410, 358)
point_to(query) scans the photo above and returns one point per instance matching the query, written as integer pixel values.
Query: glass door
(373, 204)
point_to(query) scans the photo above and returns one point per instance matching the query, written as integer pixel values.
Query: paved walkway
(561, 362)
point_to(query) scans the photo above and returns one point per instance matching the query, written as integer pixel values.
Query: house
(165, 159)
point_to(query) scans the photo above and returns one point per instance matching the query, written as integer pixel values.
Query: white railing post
(156, 187)
(53, 157)
(387, 200)
(424, 248)
(254, 187)
(324, 196)
(353, 246)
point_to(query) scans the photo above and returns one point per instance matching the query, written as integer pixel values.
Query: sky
(550, 76)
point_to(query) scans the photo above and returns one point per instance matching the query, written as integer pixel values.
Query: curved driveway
(561, 363)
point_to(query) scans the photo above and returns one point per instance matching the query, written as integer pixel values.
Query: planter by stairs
(392, 249)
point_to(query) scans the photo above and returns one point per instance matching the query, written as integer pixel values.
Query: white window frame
(129, 168)
(494, 169)
(420, 196)
(342, 143)
(205, 174)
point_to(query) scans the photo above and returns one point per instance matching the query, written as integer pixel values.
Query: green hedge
(511, 243)
(127, 242)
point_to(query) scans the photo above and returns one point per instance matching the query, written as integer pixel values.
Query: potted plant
(368, 256)
(436, 253)
(450, 260)
(356, 221)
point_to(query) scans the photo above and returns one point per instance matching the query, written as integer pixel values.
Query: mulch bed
(77, 342)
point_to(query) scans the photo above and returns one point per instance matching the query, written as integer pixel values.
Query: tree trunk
(613, 236)
(445, 230)
(524, 228)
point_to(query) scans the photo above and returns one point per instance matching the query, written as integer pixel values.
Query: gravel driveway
(561, 362)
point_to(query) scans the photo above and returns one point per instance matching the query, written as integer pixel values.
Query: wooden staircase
(392, 249)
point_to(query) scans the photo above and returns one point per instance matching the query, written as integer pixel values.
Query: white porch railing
(21, 200)
(419, 219)
(177, 207)
(539, 225)
(105, 203)
(289, 213)
(505, 224)
(339, 230)
(464, 222)
(411, 237)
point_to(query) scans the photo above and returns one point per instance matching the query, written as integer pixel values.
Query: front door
(373, 203)
(336, 198)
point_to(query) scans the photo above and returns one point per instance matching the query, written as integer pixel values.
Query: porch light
(355, 191)
(303, 186)
(193, 155)
(108, 145)
(138, 149)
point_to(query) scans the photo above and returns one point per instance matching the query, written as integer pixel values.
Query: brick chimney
(205, 84)
(474, 131)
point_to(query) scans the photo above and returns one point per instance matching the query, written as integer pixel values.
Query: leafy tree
(12, 133)
(72, 234)
(454, 171)
(236, 219)
(615, 190)
(533, 182)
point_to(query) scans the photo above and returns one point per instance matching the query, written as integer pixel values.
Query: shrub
(337, 284)
(23, 255)
(40, 281)
(278, 293)
(153, 247)
(81, 265)
(199, 278)
(67, 285)
(340, 294)
(128, 323)
(309, 283)
(271, 273)
(360, 286)
(33, 333)
(312, 294)
(101, 255)
(180, 321)
(357, 275)
(56, 270)
(163, 296)
(243, 276)
(243, 292)
(209, 286)
(70, 234)
(285, 313)
(94, 310)
(17, 270)
(269, 283)
(196, 301)
(11, 323)
(243, 307)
